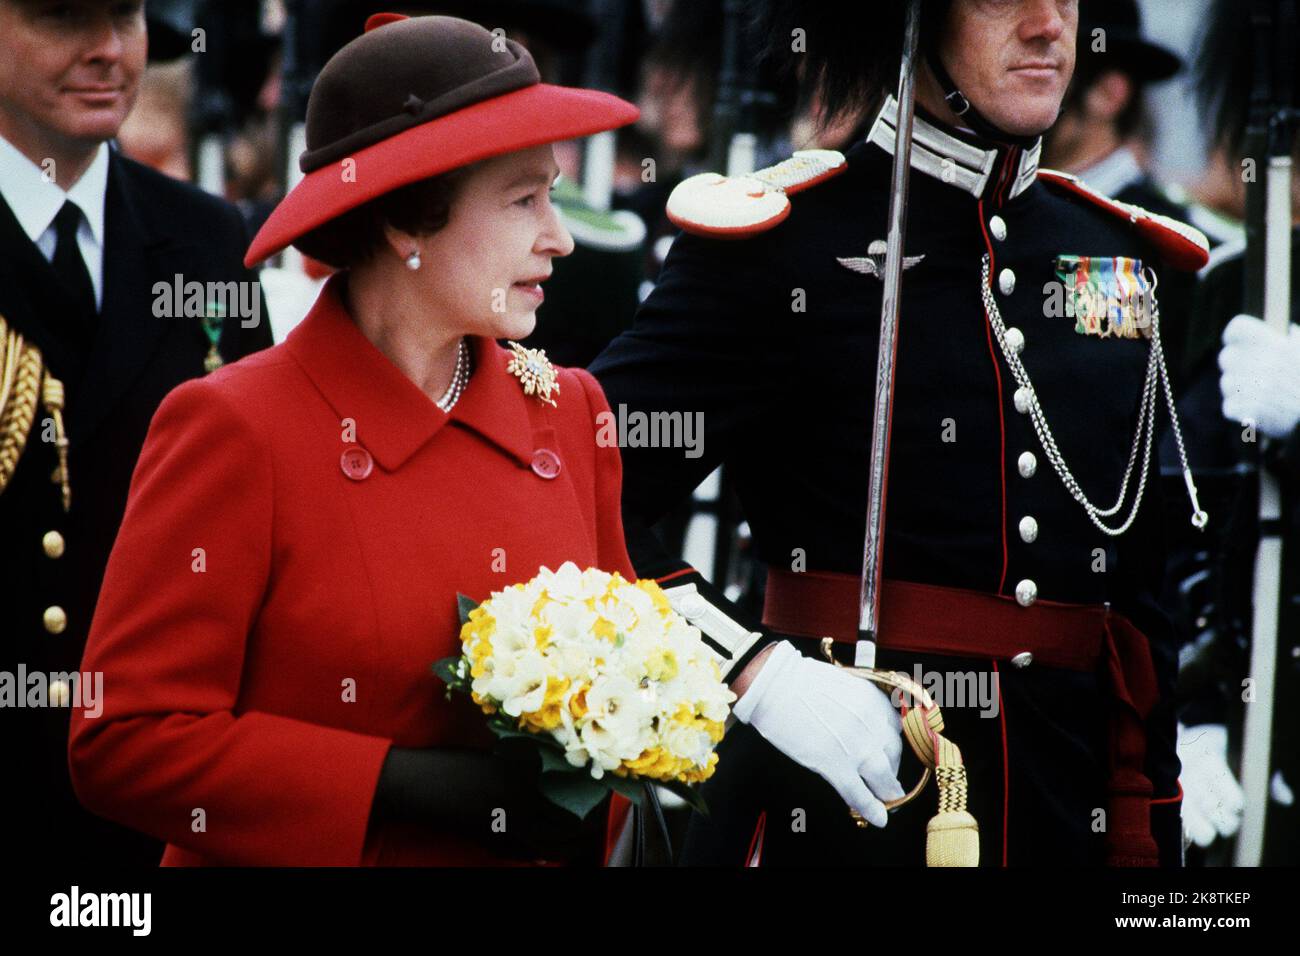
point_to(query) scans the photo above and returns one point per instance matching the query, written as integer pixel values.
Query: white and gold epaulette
(735, 207)
(1182, 246)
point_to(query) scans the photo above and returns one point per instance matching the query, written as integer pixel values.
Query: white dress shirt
(36, 200)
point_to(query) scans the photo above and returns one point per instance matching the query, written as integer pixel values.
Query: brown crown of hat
(405, 73)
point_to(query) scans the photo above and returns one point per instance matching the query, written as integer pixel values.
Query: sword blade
(873, 546)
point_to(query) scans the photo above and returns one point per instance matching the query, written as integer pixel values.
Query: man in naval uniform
(90, 349)
(1025, 364)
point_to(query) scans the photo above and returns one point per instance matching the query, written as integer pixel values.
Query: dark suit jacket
(155, 228)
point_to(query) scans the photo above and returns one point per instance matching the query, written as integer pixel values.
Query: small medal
(535, 372)
(1107, 296)
(213, 318)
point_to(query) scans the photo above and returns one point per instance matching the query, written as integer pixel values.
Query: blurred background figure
(1241, 409)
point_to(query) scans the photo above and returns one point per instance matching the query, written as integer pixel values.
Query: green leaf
(464, 605)
(690, 793)
(504, 729)
(573, 790)
(553, 760)
(633, 790)
(448, 670)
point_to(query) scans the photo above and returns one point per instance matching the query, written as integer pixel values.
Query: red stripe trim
(676, 574)
(1174, 799)
(1002, 422)
(1006, 766)
(754, 856)
(1001, 195)
(1177, 250)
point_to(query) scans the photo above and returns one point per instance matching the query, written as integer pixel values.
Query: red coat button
(546, 463)
(357, 463)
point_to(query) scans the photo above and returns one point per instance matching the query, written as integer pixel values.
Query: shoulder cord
(1157, 377)
(23, 379)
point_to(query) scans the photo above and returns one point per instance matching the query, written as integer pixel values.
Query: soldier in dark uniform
(91, 345)
(1009, 413)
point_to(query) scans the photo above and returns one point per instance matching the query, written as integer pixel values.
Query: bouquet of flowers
(602, 676)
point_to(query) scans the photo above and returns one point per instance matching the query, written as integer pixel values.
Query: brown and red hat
(413, 97)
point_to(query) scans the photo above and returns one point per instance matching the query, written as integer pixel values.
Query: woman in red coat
(301, 522)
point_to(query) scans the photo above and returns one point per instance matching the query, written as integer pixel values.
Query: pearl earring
(413, 260)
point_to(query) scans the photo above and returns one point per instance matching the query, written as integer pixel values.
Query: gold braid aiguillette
(21, 385)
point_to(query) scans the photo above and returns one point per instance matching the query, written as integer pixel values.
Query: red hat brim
(533, 116)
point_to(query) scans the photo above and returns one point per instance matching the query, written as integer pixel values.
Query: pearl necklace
(459, 378)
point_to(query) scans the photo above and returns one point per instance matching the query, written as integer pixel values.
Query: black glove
(490, 798)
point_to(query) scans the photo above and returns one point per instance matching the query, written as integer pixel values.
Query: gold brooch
(535, 372)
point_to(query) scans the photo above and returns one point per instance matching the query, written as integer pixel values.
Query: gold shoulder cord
(23, 379)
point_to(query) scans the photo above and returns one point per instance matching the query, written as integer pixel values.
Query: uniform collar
(393, 417)
(968, 162)
(36, 200)
(1115, 173)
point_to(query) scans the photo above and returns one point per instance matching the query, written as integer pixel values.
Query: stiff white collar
(36, 198)
(1114, 173)
(955, 161)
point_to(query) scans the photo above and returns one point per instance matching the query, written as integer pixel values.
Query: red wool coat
(280, 587)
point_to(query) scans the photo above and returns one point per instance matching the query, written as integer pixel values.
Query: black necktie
(70, 267)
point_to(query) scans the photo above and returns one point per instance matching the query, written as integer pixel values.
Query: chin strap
(965, 109)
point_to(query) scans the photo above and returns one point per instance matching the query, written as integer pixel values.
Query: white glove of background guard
(1212, 798)
(836, 725)
(1260, 381)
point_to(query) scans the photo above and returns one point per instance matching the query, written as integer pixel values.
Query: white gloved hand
(1260, 381)
(1212, 798)
(837, 725)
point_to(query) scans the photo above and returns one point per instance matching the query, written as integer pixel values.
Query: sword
(1268, 292)
(872, 557)
(952, 835)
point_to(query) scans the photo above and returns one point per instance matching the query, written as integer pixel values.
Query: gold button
(60, 693)
(56, 619)
(53, 544)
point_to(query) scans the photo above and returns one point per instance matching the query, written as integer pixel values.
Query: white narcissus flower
(594, 583)
(570, 660)
(570, 622)
(566, 583)
(524, 688)
(684, 740)
(617, 721)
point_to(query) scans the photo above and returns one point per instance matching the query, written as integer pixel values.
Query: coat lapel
(128, 333)
(29, 293)
(393, 417)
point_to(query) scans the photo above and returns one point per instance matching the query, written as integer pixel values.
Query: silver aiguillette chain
(1157, 377)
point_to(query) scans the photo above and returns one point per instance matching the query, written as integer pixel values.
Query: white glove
(1261, 376)
(1212, 798)
(837, 725)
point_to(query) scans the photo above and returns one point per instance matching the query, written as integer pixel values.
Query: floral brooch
(535, 372)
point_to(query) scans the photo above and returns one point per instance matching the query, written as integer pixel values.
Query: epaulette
(736, 207)
(1181, 246)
